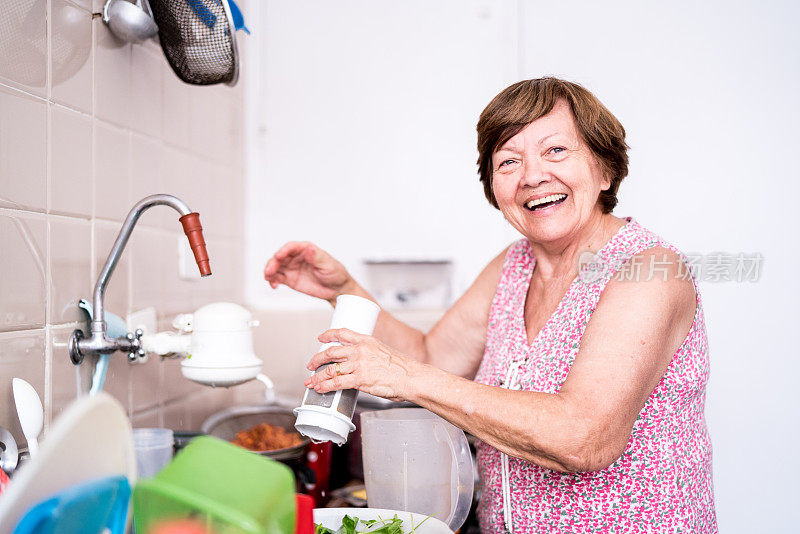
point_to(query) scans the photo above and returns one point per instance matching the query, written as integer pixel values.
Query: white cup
(153, 450)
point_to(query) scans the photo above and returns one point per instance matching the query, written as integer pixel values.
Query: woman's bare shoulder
(656, 280)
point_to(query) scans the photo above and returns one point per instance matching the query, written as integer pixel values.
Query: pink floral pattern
(662, 482)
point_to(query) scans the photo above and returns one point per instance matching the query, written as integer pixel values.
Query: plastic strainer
(227, 488)
(199, 39)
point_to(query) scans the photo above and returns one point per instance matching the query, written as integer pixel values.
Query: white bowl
(332, 518)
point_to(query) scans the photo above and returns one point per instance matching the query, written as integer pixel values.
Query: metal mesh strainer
(198, 38)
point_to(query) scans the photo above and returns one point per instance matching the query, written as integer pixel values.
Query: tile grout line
(48, 352)
(22, 332)
(31, 329)
(171, 402)
(23, 213)
(48, 379)
(69, 109)
(93, 269)
(14, 89)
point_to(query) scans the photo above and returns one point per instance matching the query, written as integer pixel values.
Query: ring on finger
(337, 368)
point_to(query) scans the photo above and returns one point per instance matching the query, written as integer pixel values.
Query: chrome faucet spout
(99, 343)
(122, 240)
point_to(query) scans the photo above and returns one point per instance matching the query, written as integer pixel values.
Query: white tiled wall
(89, 125)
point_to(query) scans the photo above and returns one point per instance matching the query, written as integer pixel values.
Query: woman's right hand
(308, 269)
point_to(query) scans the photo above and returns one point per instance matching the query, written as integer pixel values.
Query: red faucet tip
(194, 232)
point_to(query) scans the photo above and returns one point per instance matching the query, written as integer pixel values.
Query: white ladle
(30, 413)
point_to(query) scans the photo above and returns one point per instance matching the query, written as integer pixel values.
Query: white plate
(91, 439)
(332, 518)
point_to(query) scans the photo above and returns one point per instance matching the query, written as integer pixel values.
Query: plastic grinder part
(321, 424)
(328, 416)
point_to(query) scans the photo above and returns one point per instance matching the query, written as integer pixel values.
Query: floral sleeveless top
(662, 482)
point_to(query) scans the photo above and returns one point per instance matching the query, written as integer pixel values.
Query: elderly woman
(578, 356)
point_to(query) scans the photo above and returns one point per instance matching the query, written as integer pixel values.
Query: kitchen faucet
(98, 342)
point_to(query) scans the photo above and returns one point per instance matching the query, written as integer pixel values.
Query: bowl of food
(366, 520)
(263, 429)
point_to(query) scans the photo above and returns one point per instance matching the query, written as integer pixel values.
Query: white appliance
(217, 341)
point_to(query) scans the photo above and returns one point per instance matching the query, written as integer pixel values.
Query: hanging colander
(199, 39)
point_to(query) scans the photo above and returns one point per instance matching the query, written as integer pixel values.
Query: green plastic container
(229, 489)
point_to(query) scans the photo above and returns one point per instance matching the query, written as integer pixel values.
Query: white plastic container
(328, 416)
(221, 349)
(416, 461)
(153, 449)
(217, 340)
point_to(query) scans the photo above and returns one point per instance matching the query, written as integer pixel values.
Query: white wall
(363, 138)
(708, 93)
(364, 132)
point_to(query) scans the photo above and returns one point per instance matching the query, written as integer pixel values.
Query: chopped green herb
(370, 526)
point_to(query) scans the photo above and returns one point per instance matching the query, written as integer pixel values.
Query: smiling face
(546, 180)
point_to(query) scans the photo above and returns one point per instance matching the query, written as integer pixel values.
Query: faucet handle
(136, 352)
(75, 354)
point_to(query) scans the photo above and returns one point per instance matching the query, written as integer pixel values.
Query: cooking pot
(225, 425)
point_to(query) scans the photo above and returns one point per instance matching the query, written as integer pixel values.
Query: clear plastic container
(417, 462)
(153, 450)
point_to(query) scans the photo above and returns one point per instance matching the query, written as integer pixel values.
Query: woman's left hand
(361, 362)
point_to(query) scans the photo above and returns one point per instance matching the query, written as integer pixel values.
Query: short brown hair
(522, 103)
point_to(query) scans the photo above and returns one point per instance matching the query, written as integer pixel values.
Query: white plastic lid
(221, 317)
(355, 313)
(323, 424)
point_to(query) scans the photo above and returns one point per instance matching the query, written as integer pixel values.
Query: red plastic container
(305, 514)
(318, 459)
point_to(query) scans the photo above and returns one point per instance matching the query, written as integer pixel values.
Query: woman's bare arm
(624, 352)
(456, 342)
